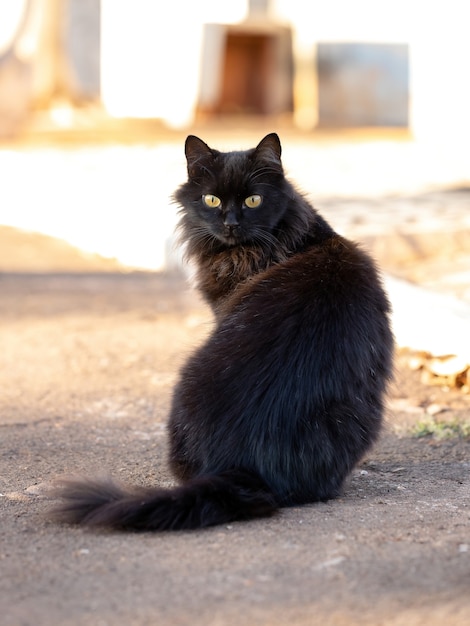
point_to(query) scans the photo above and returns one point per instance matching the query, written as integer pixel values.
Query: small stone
(449, 366)
(16, 495)
(416, 362)
(435, 409)
(41, 490)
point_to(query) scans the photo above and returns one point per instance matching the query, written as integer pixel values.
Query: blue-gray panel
(363, 84)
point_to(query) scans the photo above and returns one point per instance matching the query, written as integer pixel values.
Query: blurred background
(370, 99)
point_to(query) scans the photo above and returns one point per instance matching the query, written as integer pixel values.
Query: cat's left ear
(198, 155)
(269, 149)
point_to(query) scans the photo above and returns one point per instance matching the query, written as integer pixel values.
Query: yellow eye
(252, 202)
(211, 201)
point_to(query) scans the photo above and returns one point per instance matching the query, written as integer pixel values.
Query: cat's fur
(286, 395)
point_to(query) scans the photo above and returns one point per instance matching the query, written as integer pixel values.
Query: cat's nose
(230, 220)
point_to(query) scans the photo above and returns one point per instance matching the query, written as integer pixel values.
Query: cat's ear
(269, 149)
(198, 155)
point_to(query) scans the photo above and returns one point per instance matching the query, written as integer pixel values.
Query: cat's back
(332, 277)
(306, 339)
(322, 310)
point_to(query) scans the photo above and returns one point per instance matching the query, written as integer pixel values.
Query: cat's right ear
(198, 156)
(269, 151)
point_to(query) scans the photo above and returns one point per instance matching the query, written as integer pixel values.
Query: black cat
(286, 395)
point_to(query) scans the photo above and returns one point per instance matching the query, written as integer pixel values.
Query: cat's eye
(252, 202)
(213, 202)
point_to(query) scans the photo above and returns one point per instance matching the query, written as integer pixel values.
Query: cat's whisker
(264, 236)
(265, 170)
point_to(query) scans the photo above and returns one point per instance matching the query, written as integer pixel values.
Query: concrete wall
(143, 57)
(151, 58)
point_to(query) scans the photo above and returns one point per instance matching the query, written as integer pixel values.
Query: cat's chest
(238, 264)
(223, 274)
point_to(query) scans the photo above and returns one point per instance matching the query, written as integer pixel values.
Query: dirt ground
(87, 365)
(88, 359)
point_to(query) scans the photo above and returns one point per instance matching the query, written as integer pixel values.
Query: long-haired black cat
(286, 395)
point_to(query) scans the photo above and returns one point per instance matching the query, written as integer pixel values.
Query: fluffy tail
(200, 502)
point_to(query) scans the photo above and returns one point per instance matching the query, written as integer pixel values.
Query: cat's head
(232, 198)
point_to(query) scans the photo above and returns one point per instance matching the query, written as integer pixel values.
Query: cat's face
(233, 197)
